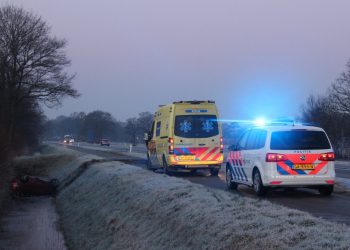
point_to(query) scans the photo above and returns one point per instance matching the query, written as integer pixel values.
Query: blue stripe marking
(299, 171)
(245, 176)
(235, 173)
(291, 165)
(282, 171)
(185, 150)
(239, 174)
(232, 172)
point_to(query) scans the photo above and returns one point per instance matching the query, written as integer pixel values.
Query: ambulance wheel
(214, 171)
(258, 186)
(165, 167)
(326, 191)
(231, 185)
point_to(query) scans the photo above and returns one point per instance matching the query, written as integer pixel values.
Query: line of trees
(96, 125)
(332, 112)
(33, 71)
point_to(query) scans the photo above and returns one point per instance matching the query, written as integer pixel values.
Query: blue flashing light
(260, 122)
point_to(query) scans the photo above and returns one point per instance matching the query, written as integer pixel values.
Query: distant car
(30, 185)
(282, 156)
(105, 142)
(68, 139)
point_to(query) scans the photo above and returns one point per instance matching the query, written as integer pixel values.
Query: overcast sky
(254, 58)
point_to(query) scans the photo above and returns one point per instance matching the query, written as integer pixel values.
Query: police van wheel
(214, 172)
(326, 191)
(258, 186)
(231, 185)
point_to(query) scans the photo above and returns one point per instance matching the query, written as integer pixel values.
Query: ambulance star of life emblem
(303, 157)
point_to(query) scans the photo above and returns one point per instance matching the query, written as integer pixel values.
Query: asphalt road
(334, 208)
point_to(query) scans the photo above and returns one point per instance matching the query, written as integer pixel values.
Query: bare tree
(98, 124)
(32, 66)
(144, 122)
(131, 129)
(324, 112)
(340, 91)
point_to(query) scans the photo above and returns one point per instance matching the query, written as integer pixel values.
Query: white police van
(282, 156)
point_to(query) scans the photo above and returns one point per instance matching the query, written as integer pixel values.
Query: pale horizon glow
(254, 58)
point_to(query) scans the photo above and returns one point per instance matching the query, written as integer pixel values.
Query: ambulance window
(158, 129)
(196, 126)
(152, 130)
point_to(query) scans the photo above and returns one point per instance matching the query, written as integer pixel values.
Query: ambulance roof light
(194, 102)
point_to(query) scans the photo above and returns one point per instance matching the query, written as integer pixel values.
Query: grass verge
(118, 206)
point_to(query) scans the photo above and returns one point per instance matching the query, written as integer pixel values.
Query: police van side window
(158, 129)
(261, 139)
(243, 141)
(256, 139)
(251, 141)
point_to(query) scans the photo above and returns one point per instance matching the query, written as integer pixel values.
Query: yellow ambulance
(185, 135)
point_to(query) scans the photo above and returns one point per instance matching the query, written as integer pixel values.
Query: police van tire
(326, 190)
(258, 186)
(214, 171)
(231, 185)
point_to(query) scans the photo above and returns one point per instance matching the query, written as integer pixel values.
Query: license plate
(304, 166)
(186, 158)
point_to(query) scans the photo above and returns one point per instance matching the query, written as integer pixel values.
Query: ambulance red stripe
(209, 154)
(216, 156)
(200, 151)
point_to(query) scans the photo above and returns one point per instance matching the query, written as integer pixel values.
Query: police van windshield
(299, 140)
(196, 126)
